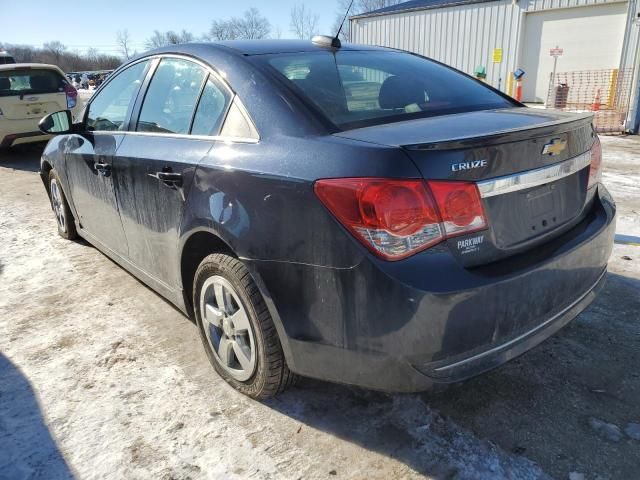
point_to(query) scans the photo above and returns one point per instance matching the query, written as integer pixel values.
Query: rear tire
(237, 330)
(64, 217)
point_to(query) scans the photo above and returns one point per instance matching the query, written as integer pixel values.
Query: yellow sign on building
(497, 55)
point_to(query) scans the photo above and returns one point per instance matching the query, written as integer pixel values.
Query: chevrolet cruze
(344, 212)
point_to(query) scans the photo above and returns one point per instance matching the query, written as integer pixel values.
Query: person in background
(85, 81)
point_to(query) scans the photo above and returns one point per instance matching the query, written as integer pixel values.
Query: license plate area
(522, 216)
(543, 208)
(32, 109)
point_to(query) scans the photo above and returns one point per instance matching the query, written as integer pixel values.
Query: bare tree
(252, 25)
(174, 38)
(160, 39)
(156, 40)
(304, 24)
(222, 30)
(124, 43)
(56, 49)
(66, 60)
(92, 55)
(359, 6)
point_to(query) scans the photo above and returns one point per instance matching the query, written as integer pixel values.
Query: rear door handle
(103, 169)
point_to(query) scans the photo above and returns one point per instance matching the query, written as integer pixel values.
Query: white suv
(28, 92)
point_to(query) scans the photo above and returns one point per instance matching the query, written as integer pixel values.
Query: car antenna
(332, 42)
(337, 37)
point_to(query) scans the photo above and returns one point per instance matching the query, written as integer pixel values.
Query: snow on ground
(100, 378)
(125, 390)
(621, 160)
(85, 95)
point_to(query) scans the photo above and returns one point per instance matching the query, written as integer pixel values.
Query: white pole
(553, 81)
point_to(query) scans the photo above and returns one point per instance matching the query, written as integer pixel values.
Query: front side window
(359, 88)
(30, 81)
(171, 98)
(211, 109)
(108, 109)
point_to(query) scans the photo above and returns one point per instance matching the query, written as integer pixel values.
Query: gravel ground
(100, 378)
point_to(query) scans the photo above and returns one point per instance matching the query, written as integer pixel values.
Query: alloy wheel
(58, 205)
(228, 328)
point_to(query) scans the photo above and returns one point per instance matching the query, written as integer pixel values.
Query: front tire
(64, 217)
(237, 330)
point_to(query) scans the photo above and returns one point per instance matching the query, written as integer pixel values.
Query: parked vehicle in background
(5, 58)
(28, 91)
(350, 213)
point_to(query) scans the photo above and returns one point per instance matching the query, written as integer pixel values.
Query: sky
(83, 24)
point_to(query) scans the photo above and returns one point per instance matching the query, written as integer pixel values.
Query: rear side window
(359, 88)
(30, 81)
(109, 107)
(211, 109)
(171, 97)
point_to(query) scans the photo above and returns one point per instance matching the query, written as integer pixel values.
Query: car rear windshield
(361, 88)
(28, 81)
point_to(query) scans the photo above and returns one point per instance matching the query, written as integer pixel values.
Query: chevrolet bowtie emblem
(554, 147)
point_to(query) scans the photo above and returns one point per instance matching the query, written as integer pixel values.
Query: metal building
(501, 36)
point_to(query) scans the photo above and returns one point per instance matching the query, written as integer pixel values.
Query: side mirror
(56, 123)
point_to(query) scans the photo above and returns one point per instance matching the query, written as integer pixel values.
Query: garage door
(591, 37)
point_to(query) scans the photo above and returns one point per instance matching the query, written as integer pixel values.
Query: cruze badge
(554, 147)
(456, 167)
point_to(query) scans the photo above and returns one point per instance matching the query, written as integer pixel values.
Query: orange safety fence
(606, 93)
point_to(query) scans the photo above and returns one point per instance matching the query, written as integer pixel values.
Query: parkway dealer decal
(470, 245)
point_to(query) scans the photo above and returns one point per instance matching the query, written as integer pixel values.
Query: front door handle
(170, 179)
(103, 169)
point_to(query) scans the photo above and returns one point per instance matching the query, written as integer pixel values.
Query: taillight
(460, 207)
(595, 169)
(397, 218)
(72, 95)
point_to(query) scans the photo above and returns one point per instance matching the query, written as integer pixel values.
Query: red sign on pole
(556, 52)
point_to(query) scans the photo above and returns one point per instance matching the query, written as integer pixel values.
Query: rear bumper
(20, 131)
(403, 326)
(455, 370)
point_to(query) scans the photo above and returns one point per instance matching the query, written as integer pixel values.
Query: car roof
(26, 66)
(255, 47)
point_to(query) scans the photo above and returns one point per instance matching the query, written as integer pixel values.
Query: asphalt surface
(100, 378)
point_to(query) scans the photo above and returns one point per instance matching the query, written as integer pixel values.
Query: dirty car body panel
(465, 304)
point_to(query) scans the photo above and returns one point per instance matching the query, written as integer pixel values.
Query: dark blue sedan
(345, 212)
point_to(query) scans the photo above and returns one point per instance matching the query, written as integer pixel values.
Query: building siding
(631, 61)
(537, 5)
(462, 36)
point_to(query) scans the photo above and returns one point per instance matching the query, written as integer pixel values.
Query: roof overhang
(444, 4)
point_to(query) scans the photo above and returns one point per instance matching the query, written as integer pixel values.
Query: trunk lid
(531, 167)
(32, 106)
